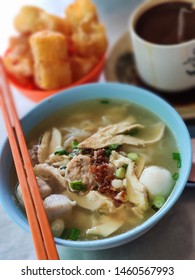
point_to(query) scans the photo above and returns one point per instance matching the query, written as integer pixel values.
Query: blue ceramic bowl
(93, 91)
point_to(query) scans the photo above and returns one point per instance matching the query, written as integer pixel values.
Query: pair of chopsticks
(37, 218)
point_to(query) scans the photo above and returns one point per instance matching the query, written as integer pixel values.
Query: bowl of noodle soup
(109, 160)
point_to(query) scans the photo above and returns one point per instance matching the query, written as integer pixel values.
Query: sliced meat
(57, 206)
(52, 175)
(34, 154)
(45, 189)
(79, 169)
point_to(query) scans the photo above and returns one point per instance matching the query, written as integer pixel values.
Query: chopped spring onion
(158, 201)
(113, 146)
(177, 157)
(77, 186)
(175, 176)
(120, 173)
(61, 152)
(110, 149)
(104, 101)
(57, 227)
(74, 144)
(108, 152)
(72, 234)
(133, 156)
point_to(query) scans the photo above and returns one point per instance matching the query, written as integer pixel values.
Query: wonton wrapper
(105, 225)
(136, 192)
(140, 164)
(93, 201)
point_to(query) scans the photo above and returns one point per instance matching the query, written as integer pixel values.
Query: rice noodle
(68, 141)
(76, 133)
(88, 125)
(106, 120)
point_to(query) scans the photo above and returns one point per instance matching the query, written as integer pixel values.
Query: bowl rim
(130, 235)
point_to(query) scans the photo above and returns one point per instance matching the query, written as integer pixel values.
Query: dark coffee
(168, 23)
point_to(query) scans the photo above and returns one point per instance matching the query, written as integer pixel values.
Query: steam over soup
(103, 167)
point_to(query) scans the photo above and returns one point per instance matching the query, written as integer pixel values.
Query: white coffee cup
(169, 68)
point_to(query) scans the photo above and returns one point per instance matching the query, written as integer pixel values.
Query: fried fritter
(31, 19)
(80, 66)
(18, 60)
(51, 52)
(51, 65)
(90, 43)
(81, 13)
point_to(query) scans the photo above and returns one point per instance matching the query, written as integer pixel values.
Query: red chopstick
(37, 218)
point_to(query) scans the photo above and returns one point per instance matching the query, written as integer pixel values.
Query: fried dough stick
(51, 64)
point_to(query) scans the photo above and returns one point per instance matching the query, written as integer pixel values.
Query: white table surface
(172, 238)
